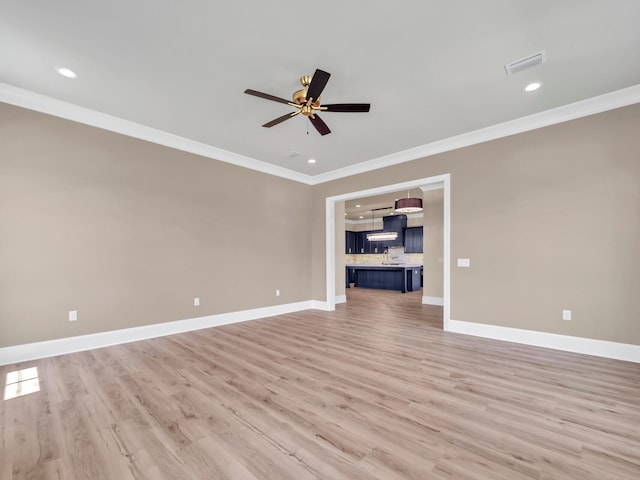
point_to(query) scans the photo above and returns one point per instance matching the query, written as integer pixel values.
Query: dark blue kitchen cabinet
(362, 245)
(413, 240)
(360, 240)
(357, 242)
(381, 279)
(394, 223)
(414, 279)
(387, 277)
(350, 243)
(365, 246)
(373, 247)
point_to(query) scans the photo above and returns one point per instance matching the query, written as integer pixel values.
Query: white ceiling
(366, 208)
(431, 70)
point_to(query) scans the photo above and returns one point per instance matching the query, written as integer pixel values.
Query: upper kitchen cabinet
(356, 242)
(361, 242)
(413, 240)
(350, 243)
(372, 246)
(395, 223)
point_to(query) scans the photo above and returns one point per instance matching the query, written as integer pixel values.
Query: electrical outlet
(464, 262)
(196, 302)
(73, 315)
(566, 314)
(277, 292)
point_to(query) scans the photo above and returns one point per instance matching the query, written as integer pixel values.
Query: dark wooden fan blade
(320, 125)
(267, 96)
(280, 119)
(348, 107)
(318, 82)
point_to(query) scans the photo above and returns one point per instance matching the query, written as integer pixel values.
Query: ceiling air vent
(526, 62)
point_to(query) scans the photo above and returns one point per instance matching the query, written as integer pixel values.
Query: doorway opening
(335, 262)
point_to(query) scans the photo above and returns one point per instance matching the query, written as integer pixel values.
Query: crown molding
(565, 113)
(363, 221)
(58, 108)
(379, 219)
(44, 104)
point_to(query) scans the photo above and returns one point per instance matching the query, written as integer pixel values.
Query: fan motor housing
(300, 96)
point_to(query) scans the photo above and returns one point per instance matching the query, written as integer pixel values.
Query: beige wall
(376, 224)
(433, 243)
(415, 220)
(549, 219)
(128, 232)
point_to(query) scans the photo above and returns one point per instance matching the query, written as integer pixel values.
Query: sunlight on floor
(21, 382)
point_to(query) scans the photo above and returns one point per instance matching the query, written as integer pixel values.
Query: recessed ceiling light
(345, 214)
(358, 206)
(65, 72)
(532, 87)
(361, 216)
(311, 160)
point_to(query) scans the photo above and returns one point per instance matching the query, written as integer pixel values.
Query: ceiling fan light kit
(307, 102)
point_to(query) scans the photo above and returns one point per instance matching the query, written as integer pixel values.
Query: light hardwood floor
(374, 390)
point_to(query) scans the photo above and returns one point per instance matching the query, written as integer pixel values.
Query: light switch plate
(73, 315)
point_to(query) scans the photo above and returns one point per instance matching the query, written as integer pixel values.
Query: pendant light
(380, 236)
(408, 205)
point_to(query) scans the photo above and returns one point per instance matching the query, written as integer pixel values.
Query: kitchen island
(405, 277)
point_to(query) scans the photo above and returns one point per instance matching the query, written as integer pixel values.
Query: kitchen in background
(367, 215)
(384, 248)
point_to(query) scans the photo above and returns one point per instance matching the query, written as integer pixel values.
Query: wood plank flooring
(375, 390)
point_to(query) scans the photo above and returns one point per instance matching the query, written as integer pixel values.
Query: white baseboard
(432, 301)
(587, 346)
(320, 305)
(341, 299)
(51, 348)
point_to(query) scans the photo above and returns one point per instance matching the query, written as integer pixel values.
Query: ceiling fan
(307, 102)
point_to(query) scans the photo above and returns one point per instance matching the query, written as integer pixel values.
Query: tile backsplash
(377, 259)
